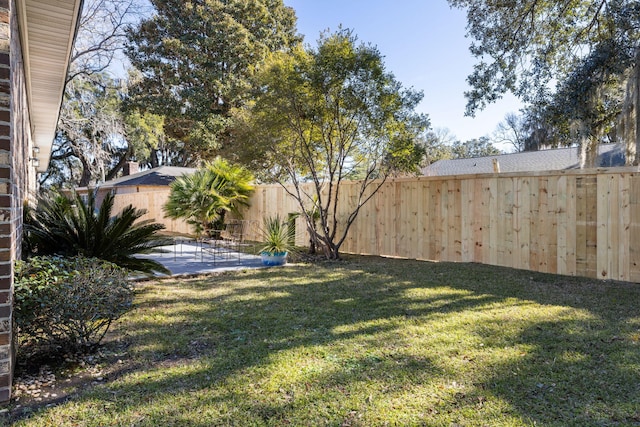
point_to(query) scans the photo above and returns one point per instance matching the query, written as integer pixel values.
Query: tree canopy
(326, 114)
(585, 48)
(526, 44)
(89, 144)
(195, 58)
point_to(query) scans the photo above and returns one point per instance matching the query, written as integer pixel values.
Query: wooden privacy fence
(152, 201)
(579, 223)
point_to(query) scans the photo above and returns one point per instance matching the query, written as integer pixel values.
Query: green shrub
(70, 226)
(69, 302)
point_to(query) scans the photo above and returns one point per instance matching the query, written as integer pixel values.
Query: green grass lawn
(370, 342)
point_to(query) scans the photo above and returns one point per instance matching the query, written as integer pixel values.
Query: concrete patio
(188, 257)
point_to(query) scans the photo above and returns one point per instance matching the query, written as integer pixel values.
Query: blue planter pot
(273, 258)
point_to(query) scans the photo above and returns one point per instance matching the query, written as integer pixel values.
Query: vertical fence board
(346, 202)
(613, 236)
(466, 220)
(423, 221)
(563, 226)
(493, 221)
(634, 228)
(420, 220)
(399, 218)
(552, 216)
(522, 223)
(352, 235)
(407, 203)
(366, 229)
(545, 227)
(509, 207)
(391, 234)
(453, 222)
(624, 267)
(448, 244)
(437, 221)
(538, 201)
(604, 211)
(443, 221)
(479, 226)
(414, 204)
(592, 226)
(501, 214)
(381, 209)
(581, 226)
(571, 222)
(500, 219)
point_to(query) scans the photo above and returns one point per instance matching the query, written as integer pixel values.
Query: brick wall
(6, 227)
(15, 176)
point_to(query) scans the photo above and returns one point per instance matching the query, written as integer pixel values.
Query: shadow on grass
(352, 343)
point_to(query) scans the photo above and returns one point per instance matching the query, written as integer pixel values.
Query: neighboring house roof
(47, 31)
(163, 175)
(610, 155)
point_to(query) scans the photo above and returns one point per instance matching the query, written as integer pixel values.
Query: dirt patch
(43, 381)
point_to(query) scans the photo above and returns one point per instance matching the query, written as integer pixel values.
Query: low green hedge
(68, 302)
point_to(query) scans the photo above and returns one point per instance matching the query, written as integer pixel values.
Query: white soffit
(47, 32)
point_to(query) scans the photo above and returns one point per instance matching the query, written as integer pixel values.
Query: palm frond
(69, 226)
(204, 197)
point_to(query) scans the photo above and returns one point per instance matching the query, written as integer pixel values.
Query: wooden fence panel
(592, 226)
(466, 220)
(584, 223)
(153, 202)
(454, 231)
(480, 223)
(422, 219)
(522, 223)
(634, 227)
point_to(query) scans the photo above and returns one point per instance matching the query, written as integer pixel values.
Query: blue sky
(425, 47)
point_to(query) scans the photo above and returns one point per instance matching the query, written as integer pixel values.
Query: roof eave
(47, 32)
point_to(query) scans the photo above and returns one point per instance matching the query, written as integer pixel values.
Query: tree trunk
(85, 178)
(118, 167)
(334, 253)
(153, 158)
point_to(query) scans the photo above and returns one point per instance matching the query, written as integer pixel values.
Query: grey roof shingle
(610, 155)
(163, 175)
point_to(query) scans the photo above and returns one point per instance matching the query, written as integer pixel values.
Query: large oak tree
(195, 58)
(566, 58)
(89, 144)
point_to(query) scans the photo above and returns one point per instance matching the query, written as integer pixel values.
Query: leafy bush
(65, 226)
(69, 302)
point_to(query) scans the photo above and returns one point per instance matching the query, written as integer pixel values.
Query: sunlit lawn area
(371, 342)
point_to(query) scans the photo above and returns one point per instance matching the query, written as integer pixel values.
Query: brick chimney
(130, 168)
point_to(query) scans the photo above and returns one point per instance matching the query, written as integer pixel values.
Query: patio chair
(232, 241)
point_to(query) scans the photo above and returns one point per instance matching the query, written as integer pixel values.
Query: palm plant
(60, 225)
(192, 198)
(204, 197)
(233, 183)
